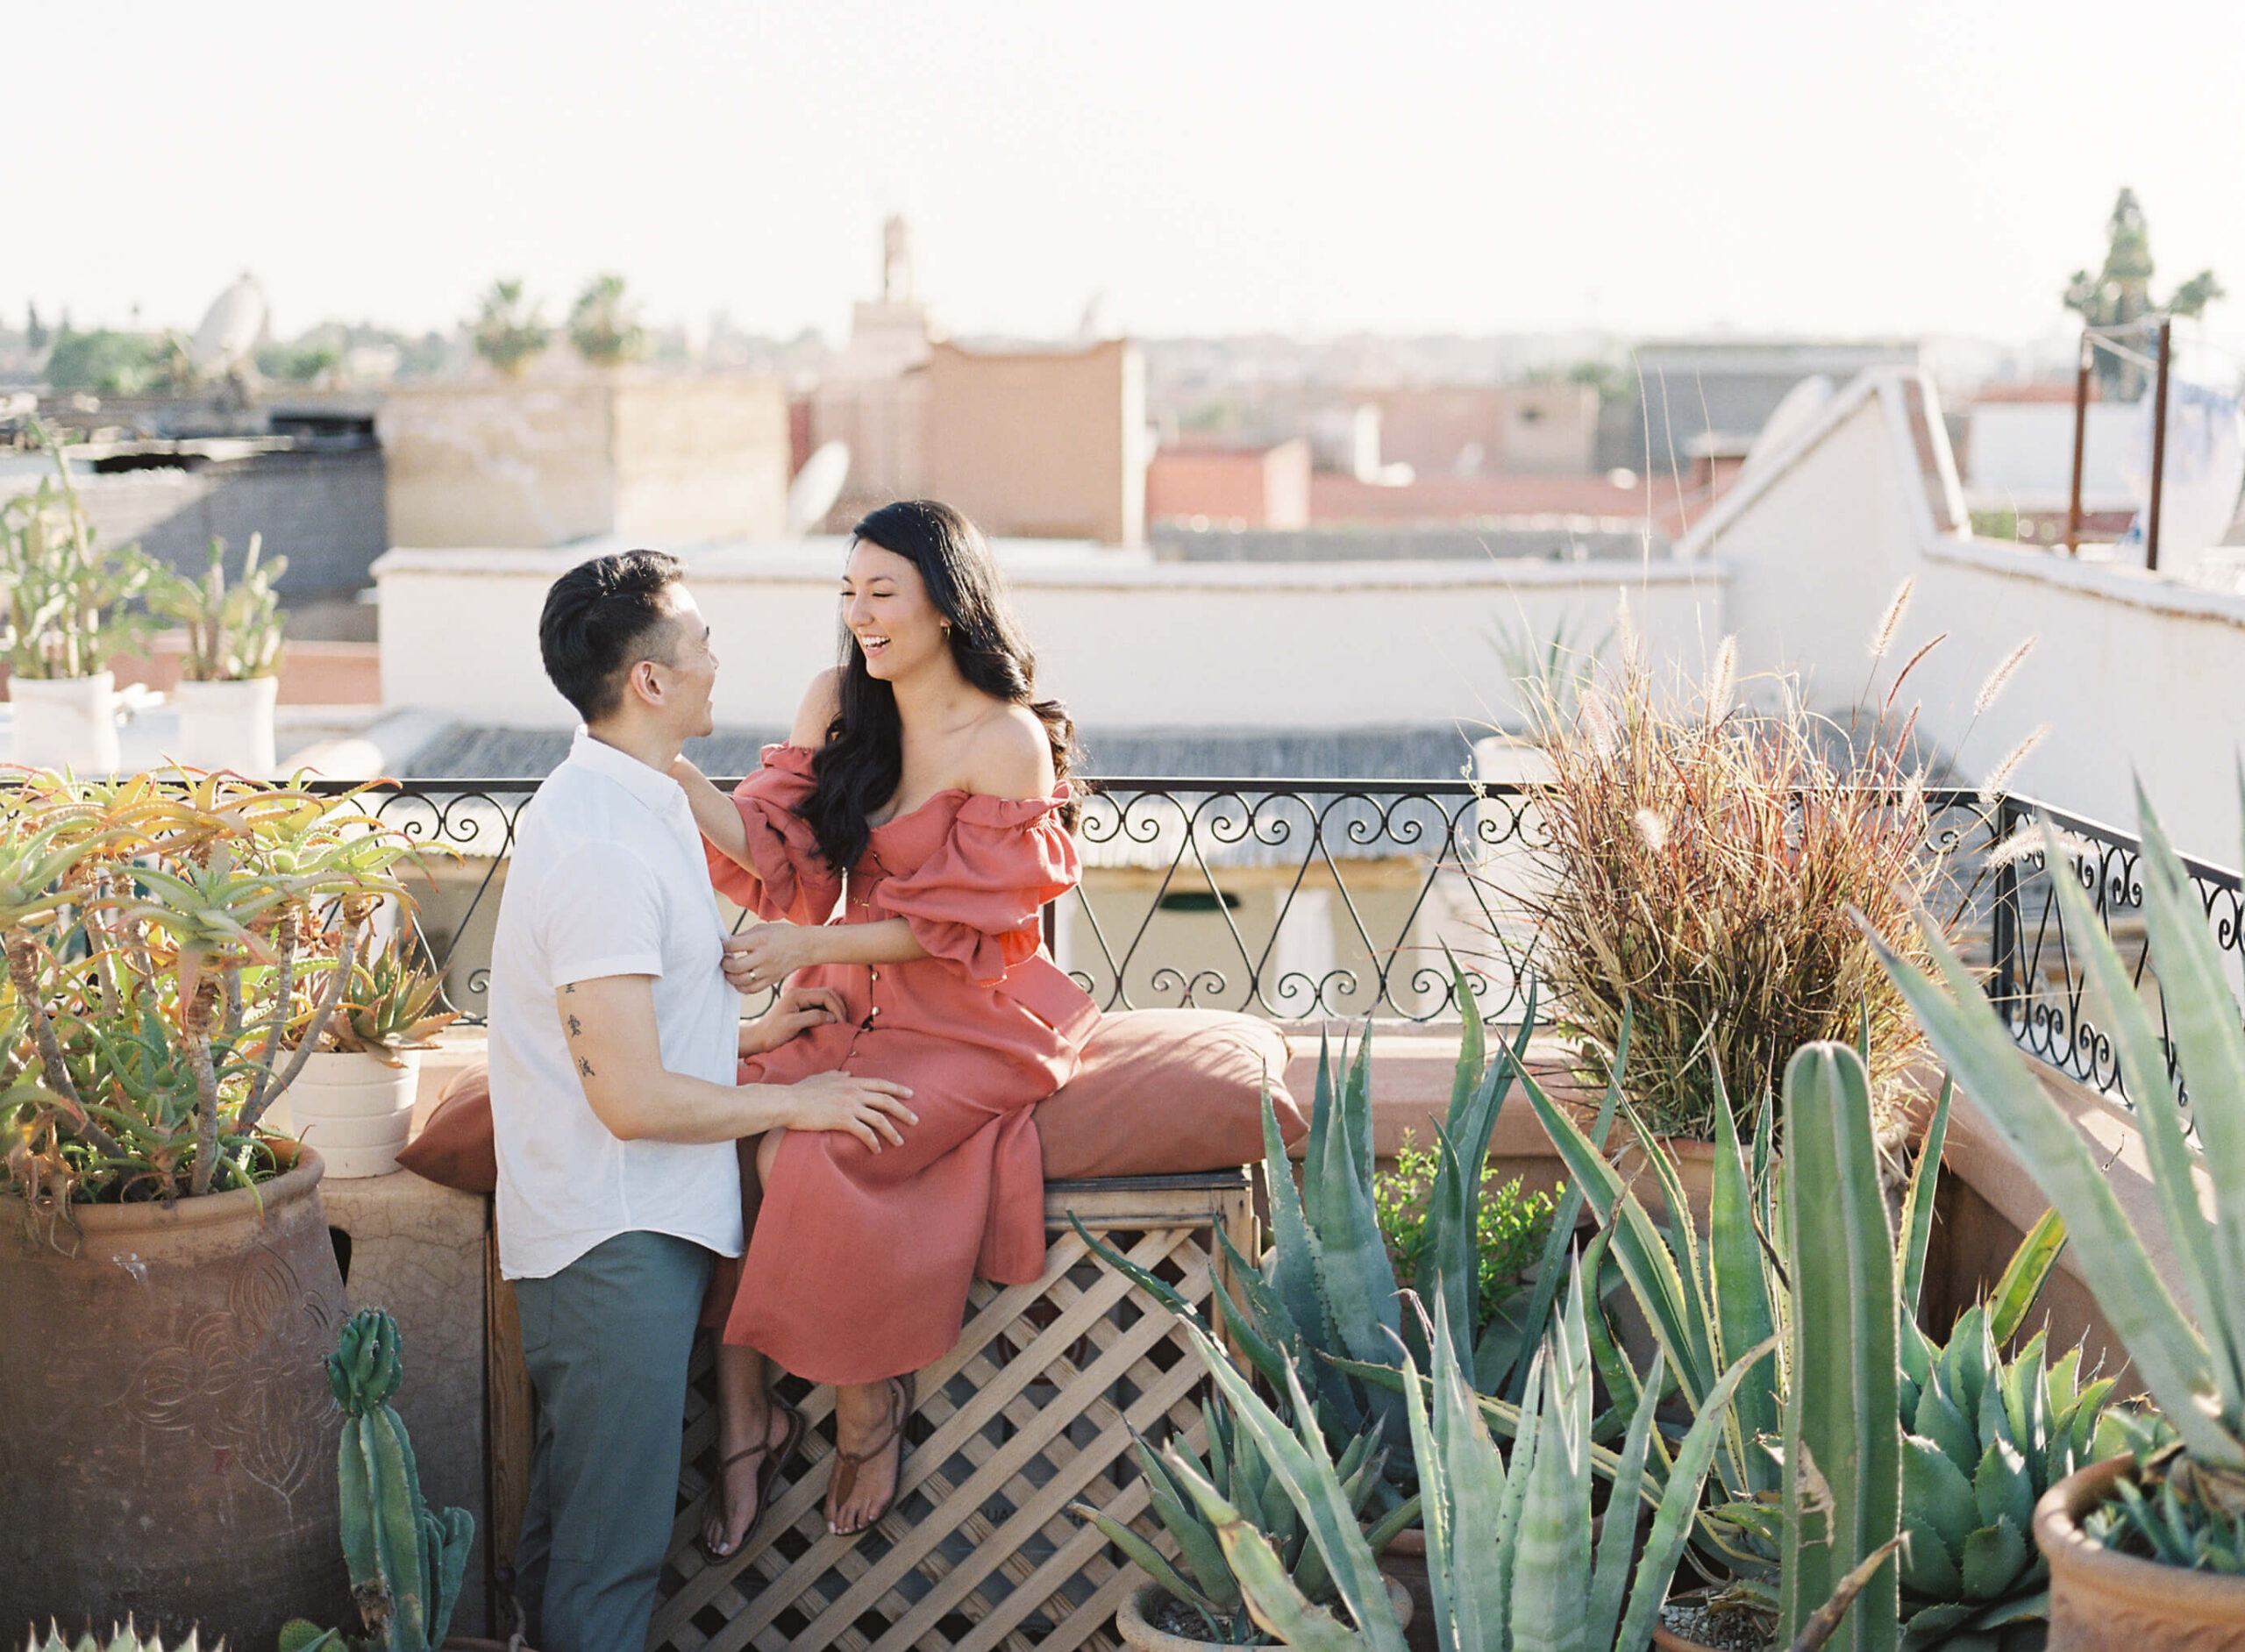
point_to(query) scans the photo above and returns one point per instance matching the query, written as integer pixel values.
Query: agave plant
(119, 1639)
(1326, 1307)
(1202, 1577)
(1512, 1562)
(2195, 1371)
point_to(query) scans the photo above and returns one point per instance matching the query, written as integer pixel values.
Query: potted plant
(1195, 1601)
(2151, 1547)
(170, 1284)
(64, 618)
(229, 675)
(1702, 868)
(357, 1067)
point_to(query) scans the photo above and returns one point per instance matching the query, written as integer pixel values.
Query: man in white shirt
(614, 1039)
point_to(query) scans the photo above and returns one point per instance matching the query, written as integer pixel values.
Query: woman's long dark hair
(862, 763)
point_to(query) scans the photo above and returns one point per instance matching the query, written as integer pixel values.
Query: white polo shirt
(607, 878)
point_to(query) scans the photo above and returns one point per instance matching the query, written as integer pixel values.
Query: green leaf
(1147, 1557)
(1993, 1558)
(1935, 1491)
(2003, 1493)
(1928, 1568)
(2023, 1277)
(1939, 1422)
(1918, 1202)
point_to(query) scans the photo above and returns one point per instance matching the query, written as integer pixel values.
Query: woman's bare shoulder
(1011, 756)
(822, 702)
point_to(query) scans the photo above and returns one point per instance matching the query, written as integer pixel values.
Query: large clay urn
(2105, 1601)
(169, 1441)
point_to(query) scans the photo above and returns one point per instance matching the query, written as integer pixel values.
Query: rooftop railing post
(2004, 926)
(2080, 434)
(2158, 446)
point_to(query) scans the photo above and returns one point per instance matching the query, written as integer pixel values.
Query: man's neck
(657, 748)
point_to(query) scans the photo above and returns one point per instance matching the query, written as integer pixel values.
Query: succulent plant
(388, 1006)
(233, 634)
(126, 1639)
(1202, 1577)
(406, 1559)
(2195, 1371)
(1985, 1438)
(62, 593)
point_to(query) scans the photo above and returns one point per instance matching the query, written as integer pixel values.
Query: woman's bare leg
(745, 1421)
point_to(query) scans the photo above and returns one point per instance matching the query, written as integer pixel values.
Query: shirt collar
(658, 792)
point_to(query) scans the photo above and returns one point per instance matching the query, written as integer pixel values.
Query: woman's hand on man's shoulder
(1011, 756)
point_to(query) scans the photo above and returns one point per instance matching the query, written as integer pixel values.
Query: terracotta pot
(2103, 1601)
(1133, 1623)
(171, 1442)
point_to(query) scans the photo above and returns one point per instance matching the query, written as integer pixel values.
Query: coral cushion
(1162, 1092)
(454, 1146)
(1159, 1092)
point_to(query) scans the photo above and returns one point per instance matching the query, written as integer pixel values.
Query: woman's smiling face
(885, 604)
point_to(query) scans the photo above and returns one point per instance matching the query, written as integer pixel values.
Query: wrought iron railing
(1300, 900)
(2037, 980)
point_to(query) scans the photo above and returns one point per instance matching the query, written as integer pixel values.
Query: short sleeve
(603, 917)
(787, 878)
(975, 901)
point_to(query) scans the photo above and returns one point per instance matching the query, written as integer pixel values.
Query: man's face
(685, 675)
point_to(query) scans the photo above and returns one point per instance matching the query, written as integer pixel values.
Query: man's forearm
(669, 1106)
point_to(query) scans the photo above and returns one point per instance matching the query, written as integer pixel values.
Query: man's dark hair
(598, 621)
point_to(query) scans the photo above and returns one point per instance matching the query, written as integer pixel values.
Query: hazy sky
(1210, 167)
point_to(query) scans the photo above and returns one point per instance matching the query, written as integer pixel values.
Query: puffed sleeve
(975, 901)
(787, 878)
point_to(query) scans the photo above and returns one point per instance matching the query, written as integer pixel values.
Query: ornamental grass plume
(1702, 869)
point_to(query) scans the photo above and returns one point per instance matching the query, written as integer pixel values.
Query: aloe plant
(389, 1005)
(1202, 1577)
(64, 592)
(2194, 1364)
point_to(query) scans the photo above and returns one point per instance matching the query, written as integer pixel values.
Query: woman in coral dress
(926, 766)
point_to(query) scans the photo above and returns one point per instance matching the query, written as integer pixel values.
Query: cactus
(232, 635)
(406, 1559)
(120, 1640)
(1842, 1493)
(1202, 1577)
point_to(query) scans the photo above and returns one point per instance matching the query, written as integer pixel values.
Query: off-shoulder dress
(859, 1263)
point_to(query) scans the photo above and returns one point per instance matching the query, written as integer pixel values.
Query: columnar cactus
(406, 1559)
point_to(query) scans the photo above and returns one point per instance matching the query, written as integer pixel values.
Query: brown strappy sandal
(903, 1391)
(776, 1458)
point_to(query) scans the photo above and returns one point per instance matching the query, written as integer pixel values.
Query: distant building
(1231, 486)
(1536, 428)
(1036, 443)
(1692, 387)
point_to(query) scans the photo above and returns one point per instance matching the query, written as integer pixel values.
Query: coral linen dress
(858, 1263)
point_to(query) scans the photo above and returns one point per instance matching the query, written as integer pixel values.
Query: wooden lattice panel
(1030, 1410)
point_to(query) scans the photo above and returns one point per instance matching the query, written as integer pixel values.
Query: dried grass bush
(1702, 868)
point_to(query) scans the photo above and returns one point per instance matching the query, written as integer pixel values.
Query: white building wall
(1125, 641)
(2135, 675)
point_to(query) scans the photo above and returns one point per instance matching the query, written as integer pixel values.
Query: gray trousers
(606, 1342)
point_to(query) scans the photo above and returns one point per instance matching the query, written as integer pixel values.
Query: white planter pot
(69, 722)
(356, 1110)
(226, 725)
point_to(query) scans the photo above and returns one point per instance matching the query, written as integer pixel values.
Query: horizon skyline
(1216, 176)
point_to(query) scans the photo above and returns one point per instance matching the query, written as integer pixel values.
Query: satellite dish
(230, 328)
(1793, 415)
(817, 485)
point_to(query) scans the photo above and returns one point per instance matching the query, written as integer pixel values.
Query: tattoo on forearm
(584, 1066)
(570, 988)
(576, 1027)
